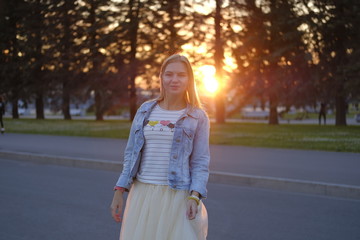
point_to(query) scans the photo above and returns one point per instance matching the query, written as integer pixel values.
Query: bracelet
(121, 189)
(193, 197)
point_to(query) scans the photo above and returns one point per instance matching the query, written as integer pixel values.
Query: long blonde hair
(191, 95)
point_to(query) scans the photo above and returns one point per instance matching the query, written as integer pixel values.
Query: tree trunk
(134, 21)
(133, 99)
(39, 102)
(340, 108)
(98, 106)
(341, 59)
(219, 55)
(220, 108)
(16, 80)
(66, 101)
(96, 84)
(273, 117)
(172, 6)
(68, 6)
(38, 76)
(15, 108)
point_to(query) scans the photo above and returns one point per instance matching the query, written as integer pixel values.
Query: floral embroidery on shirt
(164, 123)
(160, 125)
(171, 126)
(153, 123)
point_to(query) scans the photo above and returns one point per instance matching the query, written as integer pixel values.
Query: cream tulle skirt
(157, 212)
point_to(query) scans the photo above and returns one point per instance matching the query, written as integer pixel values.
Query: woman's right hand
(116, 206)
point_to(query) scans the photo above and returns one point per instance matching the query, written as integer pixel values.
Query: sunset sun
(207, 72)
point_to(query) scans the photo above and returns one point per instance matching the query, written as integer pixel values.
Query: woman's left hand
(191, 209)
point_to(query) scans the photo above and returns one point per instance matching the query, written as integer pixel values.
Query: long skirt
(157, 212)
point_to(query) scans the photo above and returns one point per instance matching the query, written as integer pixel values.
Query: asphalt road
(329, 167)
(49, 202)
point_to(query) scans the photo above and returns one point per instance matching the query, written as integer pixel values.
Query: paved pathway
(329, 167)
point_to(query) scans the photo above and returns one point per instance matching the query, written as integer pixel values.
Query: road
(49, 202)
(329, 167)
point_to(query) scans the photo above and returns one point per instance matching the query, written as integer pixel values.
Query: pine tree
(270, 52)
(334, 26)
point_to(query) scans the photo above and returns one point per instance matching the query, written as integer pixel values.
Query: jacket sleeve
(123, 180)
(200, 157)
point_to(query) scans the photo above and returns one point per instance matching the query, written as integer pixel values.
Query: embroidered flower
(153, 123)
(164, 123)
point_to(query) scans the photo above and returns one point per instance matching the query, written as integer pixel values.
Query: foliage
(287, 52)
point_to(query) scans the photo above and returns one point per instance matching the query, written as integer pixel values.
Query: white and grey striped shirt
(159, 133)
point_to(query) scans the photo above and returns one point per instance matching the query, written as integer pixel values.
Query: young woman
(166, 163)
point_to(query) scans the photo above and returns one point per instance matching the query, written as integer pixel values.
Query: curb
(62, 160)
(281, 184)
(285, 184)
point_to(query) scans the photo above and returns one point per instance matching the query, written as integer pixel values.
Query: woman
(166, 163)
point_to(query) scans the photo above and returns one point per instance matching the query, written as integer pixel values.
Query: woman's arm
(200, 157)
(192, 205)
(124, 176)
(117, 205)
(121, 185)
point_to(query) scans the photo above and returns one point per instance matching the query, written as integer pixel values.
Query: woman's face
(175, 79)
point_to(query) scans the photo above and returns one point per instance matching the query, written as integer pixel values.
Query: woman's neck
(173, 103)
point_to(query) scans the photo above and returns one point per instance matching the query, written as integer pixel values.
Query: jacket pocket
(188, 138)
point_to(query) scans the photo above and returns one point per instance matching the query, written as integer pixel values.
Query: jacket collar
(149, 105)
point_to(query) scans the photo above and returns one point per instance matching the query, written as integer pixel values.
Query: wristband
(121, 189)
(193, 197)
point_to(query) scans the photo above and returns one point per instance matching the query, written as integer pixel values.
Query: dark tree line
(288, 52)
(296, 52)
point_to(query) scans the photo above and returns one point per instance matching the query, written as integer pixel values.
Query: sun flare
(209, 81)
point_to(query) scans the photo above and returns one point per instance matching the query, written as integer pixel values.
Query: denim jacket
(189, 157)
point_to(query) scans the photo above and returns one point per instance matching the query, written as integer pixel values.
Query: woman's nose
(174, 78)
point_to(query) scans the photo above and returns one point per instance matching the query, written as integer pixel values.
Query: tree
(219, 56)
(36, 38)
(334, 25)
(11, 52)
(155, 29)
(96, 21)
(134, 15)
(270, 51)
(68, 18)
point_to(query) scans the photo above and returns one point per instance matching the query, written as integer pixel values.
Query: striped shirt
(159, 134)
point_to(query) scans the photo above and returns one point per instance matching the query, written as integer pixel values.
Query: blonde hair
(191, 95)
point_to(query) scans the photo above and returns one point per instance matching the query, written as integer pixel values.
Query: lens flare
(210, 83)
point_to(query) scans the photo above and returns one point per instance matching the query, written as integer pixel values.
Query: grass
(83, 128)
(312, 137)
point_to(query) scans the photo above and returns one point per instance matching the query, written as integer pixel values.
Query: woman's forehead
(176, 67)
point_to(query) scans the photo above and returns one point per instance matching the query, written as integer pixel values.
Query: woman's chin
(177, 92)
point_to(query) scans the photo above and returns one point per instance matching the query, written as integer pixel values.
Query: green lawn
(329, 138)
(314, 137)
(85, 128)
